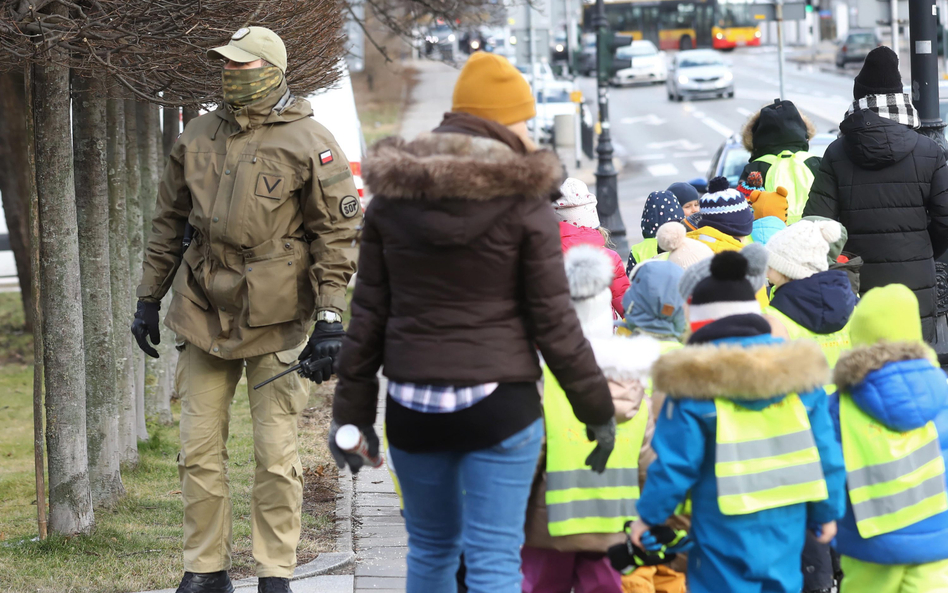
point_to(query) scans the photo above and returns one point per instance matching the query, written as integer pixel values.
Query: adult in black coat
(888, 185)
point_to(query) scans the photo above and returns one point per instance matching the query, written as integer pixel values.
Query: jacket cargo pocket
(272, 290)
(185, 281)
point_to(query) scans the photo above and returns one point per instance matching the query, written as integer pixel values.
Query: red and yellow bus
(681, 24)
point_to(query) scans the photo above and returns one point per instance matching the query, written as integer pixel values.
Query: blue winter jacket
(896, 384)
(734, 552)
(822, 303)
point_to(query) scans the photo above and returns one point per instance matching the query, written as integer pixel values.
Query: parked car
(699, 73)
(552, 99)
(443, 38)
(335, 108)
(731, 156)
(856, 46)
(640, 62)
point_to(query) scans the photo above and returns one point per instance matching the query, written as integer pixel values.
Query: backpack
(788, 169)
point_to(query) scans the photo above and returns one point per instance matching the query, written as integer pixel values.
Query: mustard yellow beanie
(490, 87)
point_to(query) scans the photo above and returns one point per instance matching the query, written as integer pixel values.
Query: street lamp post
(607, 192)
(923, 45)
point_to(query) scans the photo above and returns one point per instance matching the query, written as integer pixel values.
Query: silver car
(699, 73)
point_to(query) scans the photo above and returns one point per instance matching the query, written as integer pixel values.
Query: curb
(328, 561)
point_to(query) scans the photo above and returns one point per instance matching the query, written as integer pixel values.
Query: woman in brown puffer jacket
(460, 281)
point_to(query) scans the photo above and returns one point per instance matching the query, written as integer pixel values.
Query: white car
(640, 62)
(552, 100)
(699, 73)
(335, 108)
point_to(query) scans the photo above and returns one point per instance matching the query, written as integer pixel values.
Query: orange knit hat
(490, 87)
(769, 203)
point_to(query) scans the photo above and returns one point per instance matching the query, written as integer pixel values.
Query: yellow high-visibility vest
(578, 499)
(832, 345)
(767, 458)
(645, 250)
(895, 479)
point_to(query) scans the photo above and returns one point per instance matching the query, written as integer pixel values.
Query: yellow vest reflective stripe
(832, 345)
(788, 169)
(766, 458)
(895, 479)
(578, 499)
(645, 250)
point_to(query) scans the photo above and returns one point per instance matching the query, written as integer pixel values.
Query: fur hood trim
(625, 359)
(747, 132)
(458, 166)
(853, 366)
(735, 372)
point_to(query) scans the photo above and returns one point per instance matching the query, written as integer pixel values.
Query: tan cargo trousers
(206, 385)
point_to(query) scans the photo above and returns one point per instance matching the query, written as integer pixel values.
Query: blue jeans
(472, 502)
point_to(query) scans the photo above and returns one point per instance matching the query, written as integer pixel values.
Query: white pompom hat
(800, 250)
(681, 250)
(577, 205)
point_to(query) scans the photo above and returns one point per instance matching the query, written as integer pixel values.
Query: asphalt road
(661, 141)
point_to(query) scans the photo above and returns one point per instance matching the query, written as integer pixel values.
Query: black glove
(326, 342)
(353, 460)
(146, 324)
(605, 437)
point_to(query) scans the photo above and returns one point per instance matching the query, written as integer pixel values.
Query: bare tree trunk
(92, 211)
(157, 371)
(39, 464)
(118, 279)
(14, 180)
(70, 500)
(133, 207)
(170, 128)
(187, 114)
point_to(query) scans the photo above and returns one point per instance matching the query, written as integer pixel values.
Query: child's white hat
(577, 205)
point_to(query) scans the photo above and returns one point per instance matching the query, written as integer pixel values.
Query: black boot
(206, 582)
(273, 585)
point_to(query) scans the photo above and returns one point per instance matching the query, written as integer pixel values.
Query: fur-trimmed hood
(746, 369)
(437, 166)
(625, 359)
(894, 382)
(783, 129)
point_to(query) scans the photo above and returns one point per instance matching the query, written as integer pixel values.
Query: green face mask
(243, 87)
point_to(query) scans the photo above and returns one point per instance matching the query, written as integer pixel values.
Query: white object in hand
(351, 440)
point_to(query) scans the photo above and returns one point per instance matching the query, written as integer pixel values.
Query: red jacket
(571, 236)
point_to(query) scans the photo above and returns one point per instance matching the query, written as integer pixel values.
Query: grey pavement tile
(373, 554)
(394, 567)
(325, 584)
(377, 511)
(387, 499)
(382, 542)
(371, 583)
(382, 530)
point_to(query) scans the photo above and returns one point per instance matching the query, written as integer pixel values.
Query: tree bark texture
(14, 180)
(92, 212)
(133, 207)
(118, 279)
(170, 128)
(70, 500)
(157, 371)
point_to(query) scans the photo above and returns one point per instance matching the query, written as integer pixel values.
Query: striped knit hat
(724, 293)
(726, 210)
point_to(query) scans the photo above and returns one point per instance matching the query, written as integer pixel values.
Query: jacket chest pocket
(273, 289)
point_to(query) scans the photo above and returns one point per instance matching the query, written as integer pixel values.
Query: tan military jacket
(276, 217)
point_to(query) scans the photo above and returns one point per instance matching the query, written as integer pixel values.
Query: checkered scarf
(897, 107)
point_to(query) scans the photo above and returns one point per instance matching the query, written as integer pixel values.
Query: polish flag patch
(325, 157)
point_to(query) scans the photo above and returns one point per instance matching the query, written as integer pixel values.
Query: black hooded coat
(888, 185)
(776, 128)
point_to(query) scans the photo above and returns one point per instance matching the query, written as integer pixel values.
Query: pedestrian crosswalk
(688, 169)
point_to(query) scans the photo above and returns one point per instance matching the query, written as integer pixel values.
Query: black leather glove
(326, 342)
(316, 370)
(353, 460)
(605, 437)
(146, 324)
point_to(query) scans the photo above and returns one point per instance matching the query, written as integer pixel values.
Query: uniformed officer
(275, 213)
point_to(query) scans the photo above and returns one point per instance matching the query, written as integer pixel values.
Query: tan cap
(253, 43)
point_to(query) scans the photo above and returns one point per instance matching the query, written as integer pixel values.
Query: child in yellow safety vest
(726, 218)
(745, 429)
(891, 417)
(574, 514)
(811, 302)
(654, 308)
(660, 207)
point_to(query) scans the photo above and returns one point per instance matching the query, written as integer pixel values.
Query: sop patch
(350, 206)
(270, 186)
